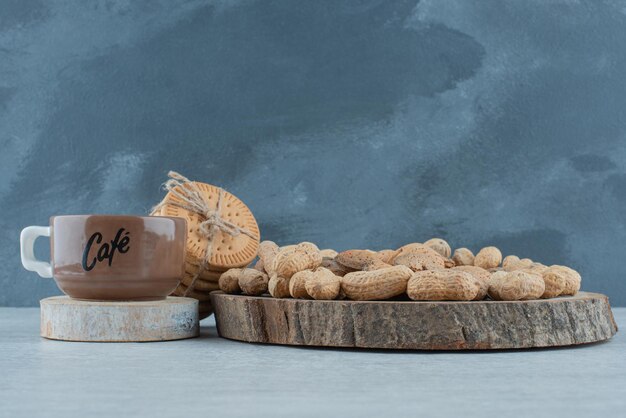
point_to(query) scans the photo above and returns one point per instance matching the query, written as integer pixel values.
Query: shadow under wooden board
(477, 325)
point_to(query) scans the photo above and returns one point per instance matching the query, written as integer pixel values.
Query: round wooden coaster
(173, 318)
(476, 325)
(228, 251)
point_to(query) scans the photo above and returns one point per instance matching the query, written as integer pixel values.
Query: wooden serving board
(477, 325)
(173, 318)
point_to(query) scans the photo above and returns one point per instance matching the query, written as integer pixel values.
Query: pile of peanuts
(428, 271)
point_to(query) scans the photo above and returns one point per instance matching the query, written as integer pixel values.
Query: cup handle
(27, 249)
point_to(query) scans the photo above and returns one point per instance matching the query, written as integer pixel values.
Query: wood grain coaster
(173, 318)
(476, 325)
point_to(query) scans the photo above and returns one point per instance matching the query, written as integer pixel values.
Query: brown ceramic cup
(110, 257)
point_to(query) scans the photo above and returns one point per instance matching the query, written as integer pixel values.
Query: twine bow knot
(192, 199)
(213, 219)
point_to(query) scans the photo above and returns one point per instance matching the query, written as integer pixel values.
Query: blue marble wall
(350, 124)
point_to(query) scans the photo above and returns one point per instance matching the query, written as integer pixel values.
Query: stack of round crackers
(228, 251)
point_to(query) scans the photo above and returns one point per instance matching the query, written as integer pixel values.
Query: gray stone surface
(214, 377)
(353, 124)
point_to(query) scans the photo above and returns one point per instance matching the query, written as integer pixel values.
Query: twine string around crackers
(192, 200)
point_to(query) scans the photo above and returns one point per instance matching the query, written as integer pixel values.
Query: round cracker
(181, 290)
(205, 306)
(208, 275)
(228, 251)
(200, 285)
(192, 261)
(205, 309)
